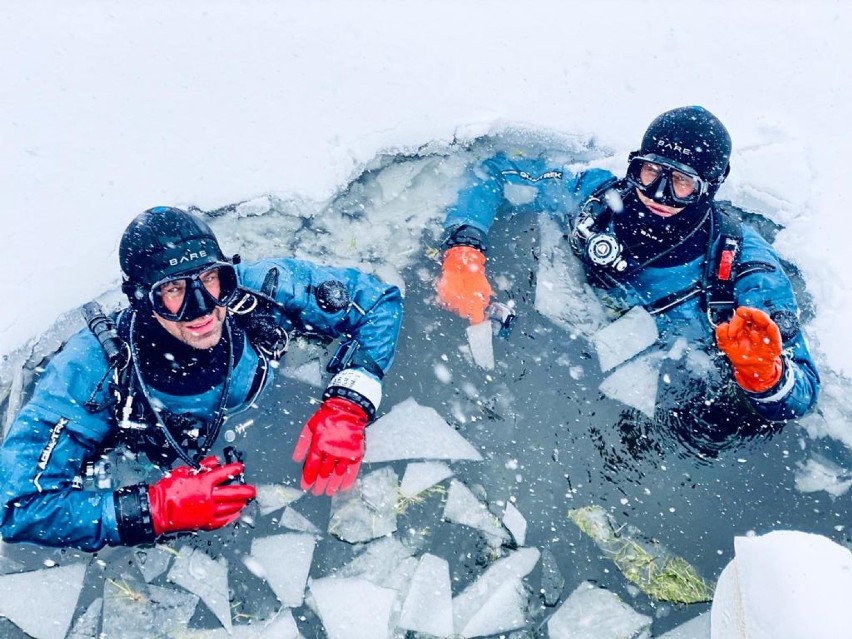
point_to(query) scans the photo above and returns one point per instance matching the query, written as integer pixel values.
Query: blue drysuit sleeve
(554, 190)
(764, 285)
(44, 452)
(372, 315)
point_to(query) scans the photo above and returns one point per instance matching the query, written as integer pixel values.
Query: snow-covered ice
(199, 573)
(42, 602)
(787, 584)
(412, 431)
(627, 336)
(286, 561)
(594, 613)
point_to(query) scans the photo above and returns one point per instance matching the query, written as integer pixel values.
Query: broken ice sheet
(206, 577)
(515, 522)
(428, 606)
(422, 475)
(594, 613)
(463, 507)
(696, 628)
(646, 563)
(627, 336)
(635, 383)
(153, 562)
(552, 581)
(368, 510)
(272, 497)
(352, 608)
(309, 373)
(51, 597)
(286, 562)
(294, 520)
(136, 610)
(412, 431)
(497, 600)
(479, 339)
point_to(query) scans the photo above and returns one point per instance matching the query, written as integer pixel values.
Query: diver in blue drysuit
(194, 347)
(655, 239)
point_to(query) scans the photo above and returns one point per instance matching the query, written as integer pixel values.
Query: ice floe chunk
(309, 373)
(784, 584)
(497, 600)
(627, 336)
(368, 510)
(42, 602)
(552, 581)
(594, 613)
(479, 339)
(635, 383)
(696, 628)
(463, 507)
(422, 475)
(353, 608)
(412, 431)
(272, 497)
(199, 573)
(153, 562)
(515, 522)
(286, 561)
(294, 520)
(136, 610)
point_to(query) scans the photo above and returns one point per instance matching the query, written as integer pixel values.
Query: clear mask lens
(666, 182)
(189, 297)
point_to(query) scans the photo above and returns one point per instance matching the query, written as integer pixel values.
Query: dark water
(550, 442)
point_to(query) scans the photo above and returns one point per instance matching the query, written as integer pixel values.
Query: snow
(108, 112)
(785, 583)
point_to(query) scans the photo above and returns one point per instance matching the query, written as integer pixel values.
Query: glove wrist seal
(133, 515)
(358, 387)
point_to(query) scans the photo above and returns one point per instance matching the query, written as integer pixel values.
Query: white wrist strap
(360, 382)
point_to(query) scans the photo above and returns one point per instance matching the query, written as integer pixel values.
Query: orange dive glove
(463, 287)
(752, 341)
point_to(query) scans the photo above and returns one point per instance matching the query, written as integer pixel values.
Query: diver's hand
(463, 287)
(752, 341)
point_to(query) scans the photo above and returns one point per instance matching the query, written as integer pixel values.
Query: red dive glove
(188, 499)
(752, 341)
(332, 445)
(463, 287)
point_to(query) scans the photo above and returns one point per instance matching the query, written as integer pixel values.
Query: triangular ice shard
(286, 562)
(206, 577)
(635, 383)
(293, 520)
(412, 431)
(272, 497)
(463, 507)
(153, 562)
(51, 597)
(627, 336)
(428, 606)
(135, 610)
(422, 475)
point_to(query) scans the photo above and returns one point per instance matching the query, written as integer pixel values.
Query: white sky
(108, 108)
